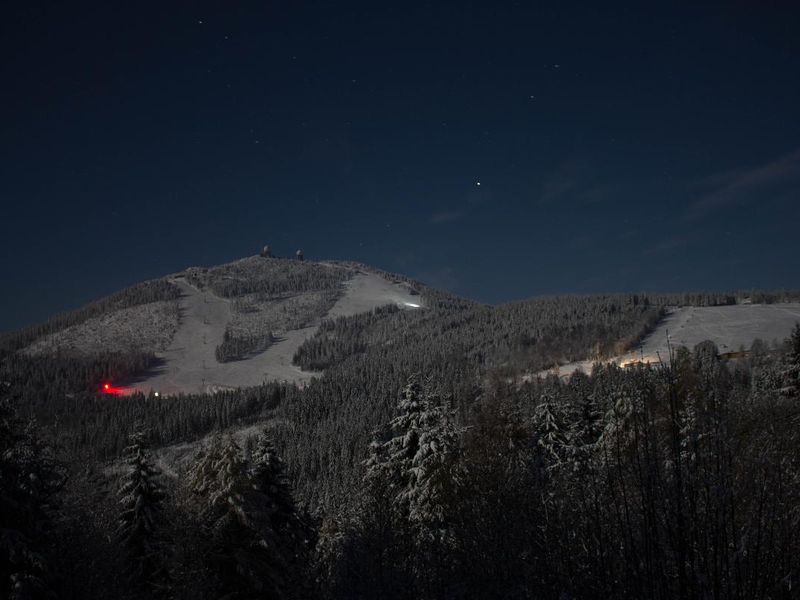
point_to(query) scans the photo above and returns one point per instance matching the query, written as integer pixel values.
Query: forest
(420, 465)
(400, 300)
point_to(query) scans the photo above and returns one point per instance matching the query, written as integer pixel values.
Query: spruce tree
(281, 524)
(232, 551)
(255, 540)
(140, 522)
(551, 433)
(790, 374)
(412, 475)
(584, 431)
(417, 463)
(28, 479)
(435, 472)
(202, 477)
(269, 477)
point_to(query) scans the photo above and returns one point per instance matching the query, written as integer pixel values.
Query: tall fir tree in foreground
(415, 457)
(140, 523)
(29, 478)
(283, 527)
(255, 542)
(551, 433)
(413, 472)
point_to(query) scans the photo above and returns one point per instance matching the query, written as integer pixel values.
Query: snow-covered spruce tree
(381, 549)
(585, 430)
(765, 374)
(140, 522)
(331, 557)
(418, 462)
(201, 479)
(435, 471)
(269, 477)
(790, 374)
(28, 478)
(228, 523)
(548, 425)
(280, 517)
(414, 465)
(254, 540)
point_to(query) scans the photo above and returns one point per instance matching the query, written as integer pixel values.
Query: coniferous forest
(400, 300)
(424, 463)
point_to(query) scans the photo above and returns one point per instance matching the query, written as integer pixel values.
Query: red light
(106, 386)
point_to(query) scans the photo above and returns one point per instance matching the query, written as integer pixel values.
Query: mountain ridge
(258, 319)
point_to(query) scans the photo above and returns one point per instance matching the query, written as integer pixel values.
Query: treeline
(535, 334)
(726, 298)
(30, 477)
(676, 481)
(44, 381)
(142, 293)
(335, 340)
(268, 276)
(226, 526)
(64, 396)
(673, 482)
(258, 319)
(369, 357)
(238, 347)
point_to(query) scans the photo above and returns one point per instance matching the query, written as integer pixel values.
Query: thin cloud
(758, 183)
(581, 182)
(566, 180)
(669, 245)
(446, 217)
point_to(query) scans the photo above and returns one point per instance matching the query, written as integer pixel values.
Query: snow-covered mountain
(243, 323)
(235, 325)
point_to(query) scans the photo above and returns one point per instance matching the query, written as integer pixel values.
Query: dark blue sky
(618, 146)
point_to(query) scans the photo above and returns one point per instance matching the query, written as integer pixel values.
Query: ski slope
(731, 328)
(190, 365)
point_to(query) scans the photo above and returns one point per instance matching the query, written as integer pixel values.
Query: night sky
(498, 150)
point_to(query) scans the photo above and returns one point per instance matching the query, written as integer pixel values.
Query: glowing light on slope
(107, 388)
(411, 304)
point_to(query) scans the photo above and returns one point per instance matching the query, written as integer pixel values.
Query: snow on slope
(731, 328)
(143, 328)
(191, 366)
(367, 291)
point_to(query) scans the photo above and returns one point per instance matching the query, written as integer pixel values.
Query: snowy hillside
(732, 328)
(190, 363)
(234, 325)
